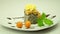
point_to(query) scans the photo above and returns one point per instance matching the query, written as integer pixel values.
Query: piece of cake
(31, 13)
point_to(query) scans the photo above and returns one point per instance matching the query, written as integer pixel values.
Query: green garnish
(44, 19)
(48, 22)
(40, 22)
(43, 16)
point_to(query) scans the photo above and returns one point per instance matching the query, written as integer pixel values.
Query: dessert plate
(11, 23)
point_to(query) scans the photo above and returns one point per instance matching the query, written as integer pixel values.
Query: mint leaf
(40, 22)
(48, 21)
(43, 16)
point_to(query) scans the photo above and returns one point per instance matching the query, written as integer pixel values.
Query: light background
(16, 8)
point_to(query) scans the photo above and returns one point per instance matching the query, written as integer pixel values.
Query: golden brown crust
(35, 12)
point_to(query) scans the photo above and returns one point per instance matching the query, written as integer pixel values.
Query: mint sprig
(44, 19)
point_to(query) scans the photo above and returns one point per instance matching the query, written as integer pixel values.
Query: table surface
(12, 8)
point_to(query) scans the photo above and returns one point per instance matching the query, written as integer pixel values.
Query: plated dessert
(33, 20)
(33, 16)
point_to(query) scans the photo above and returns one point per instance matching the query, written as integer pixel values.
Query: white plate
(5, 21)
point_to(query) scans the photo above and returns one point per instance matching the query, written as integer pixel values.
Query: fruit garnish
(30, 7)
(19, 24)
(27, 24)
(44, 19)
